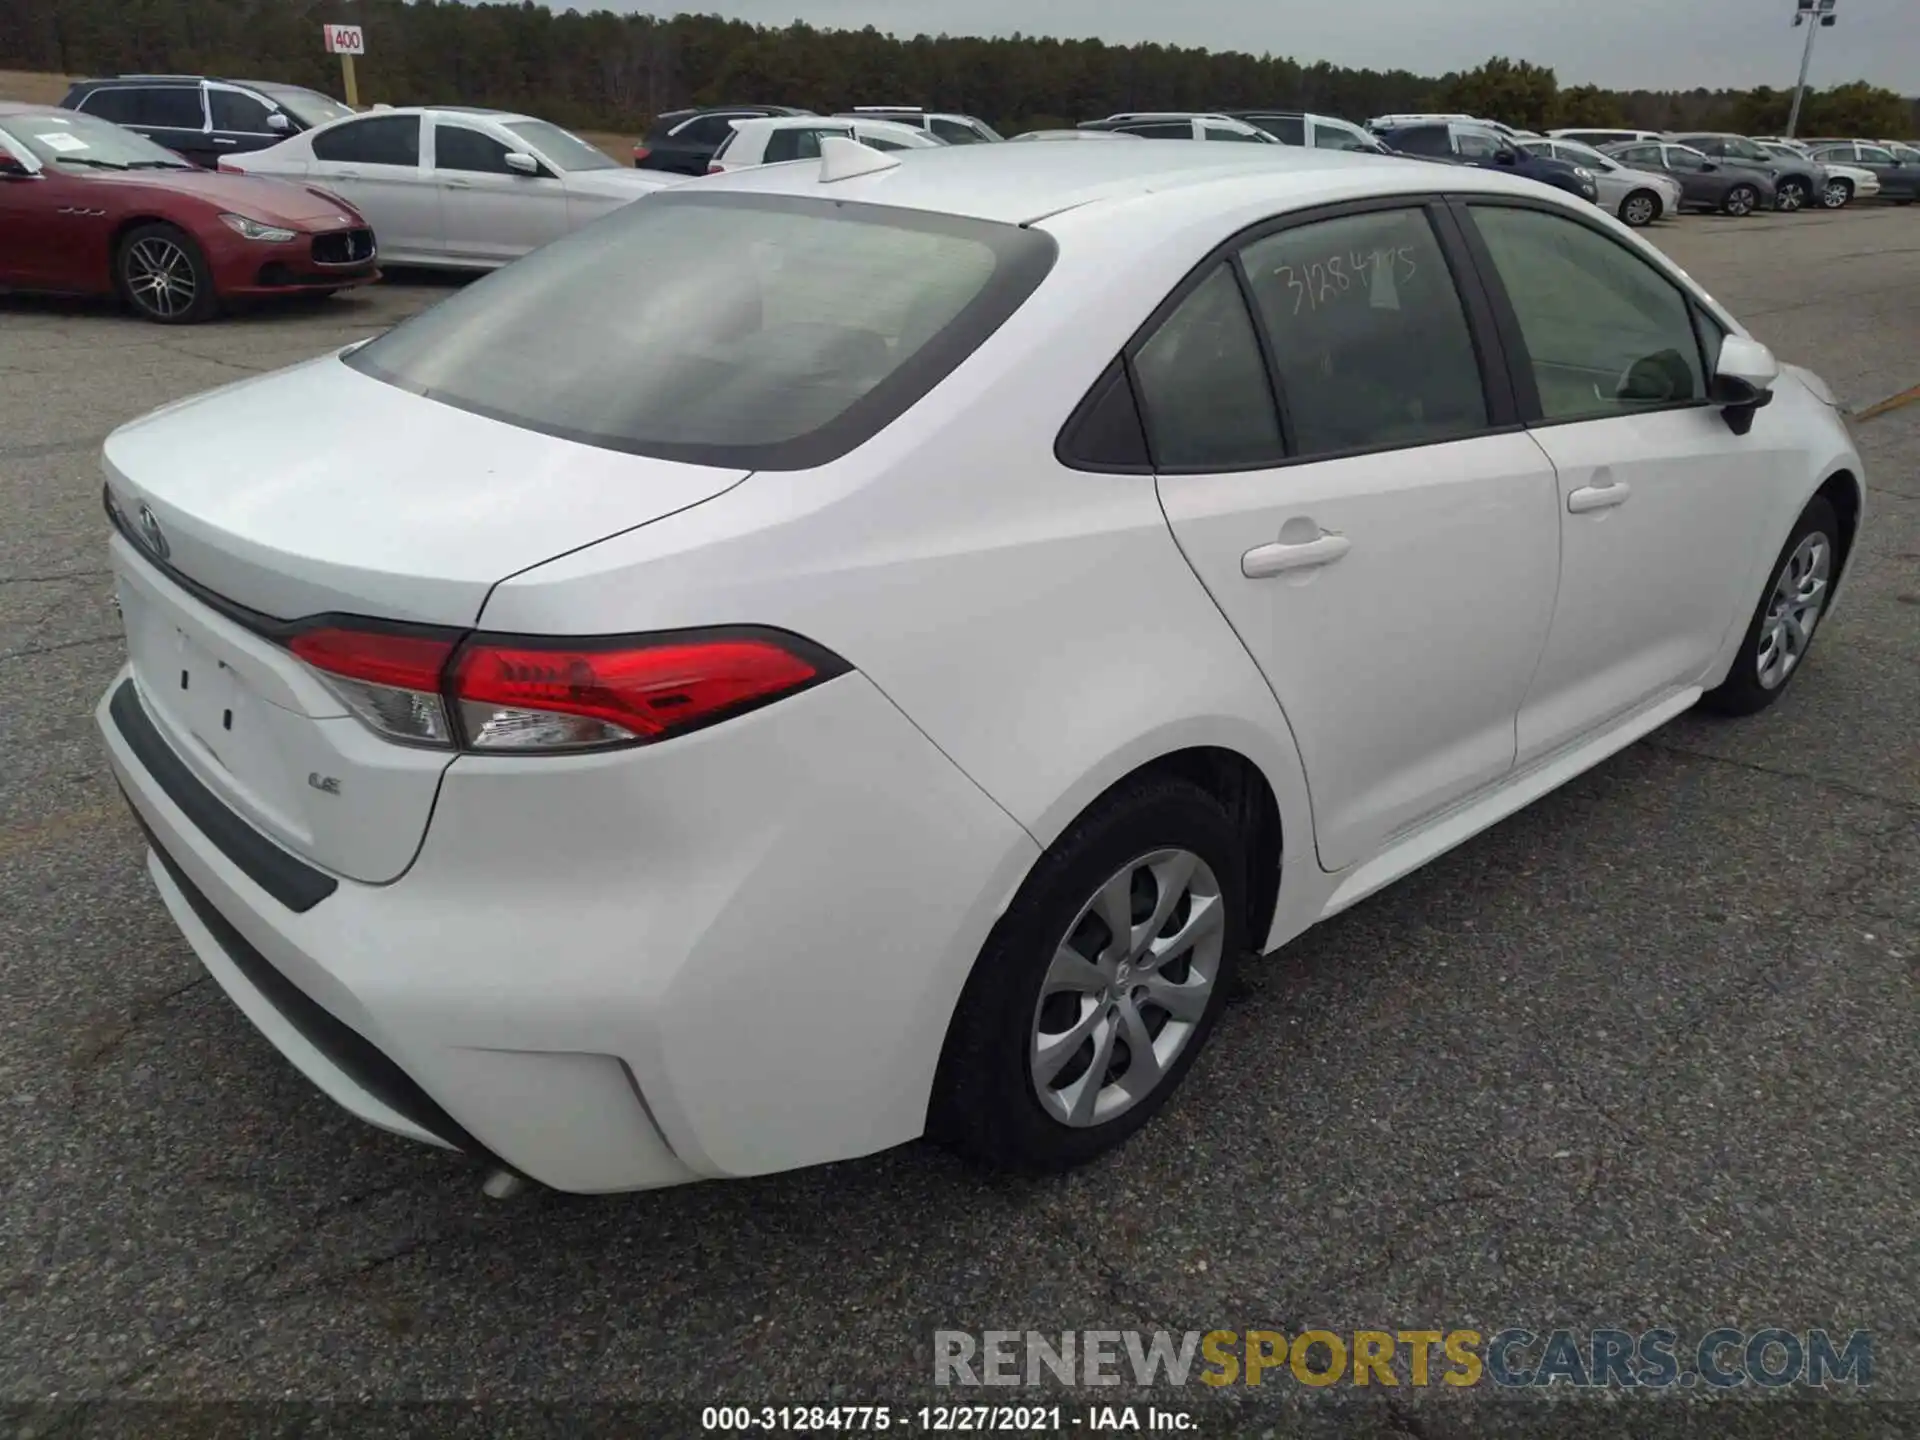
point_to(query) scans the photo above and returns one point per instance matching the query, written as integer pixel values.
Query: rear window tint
(770, 332)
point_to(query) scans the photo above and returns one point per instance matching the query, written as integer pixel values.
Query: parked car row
(130, 186)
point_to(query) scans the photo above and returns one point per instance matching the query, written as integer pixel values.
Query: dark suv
(202, 118)
(1460, 142)
(683, 141)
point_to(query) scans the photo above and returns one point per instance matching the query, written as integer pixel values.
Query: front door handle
(1598, 497)
(222, 140)
(1280, 557)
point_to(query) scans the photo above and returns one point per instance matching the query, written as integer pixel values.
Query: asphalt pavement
(1642, 1055)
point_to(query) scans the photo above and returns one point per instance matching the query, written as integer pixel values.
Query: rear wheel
(1792, 195)
(1740, 200)
(1781, 631)
(164, 275)
(1839, 192)
(1640, 208)
(1100, 984)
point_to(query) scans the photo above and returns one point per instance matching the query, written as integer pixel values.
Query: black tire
(1640, 208)
(1742, 692)
(1792, 194)
(1740, 200)
(1838, 194)
(985, 1104)
(135, 263)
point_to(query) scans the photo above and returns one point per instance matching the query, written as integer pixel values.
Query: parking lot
(1643, 1054)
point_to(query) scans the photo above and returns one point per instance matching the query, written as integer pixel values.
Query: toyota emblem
(151, 532)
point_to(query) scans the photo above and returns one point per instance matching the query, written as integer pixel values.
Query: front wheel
(1640, 209)
(1838, 194)
(1099, 986)
(164, 275)
(1740, 200)
(1792, 195)
(1783, 623)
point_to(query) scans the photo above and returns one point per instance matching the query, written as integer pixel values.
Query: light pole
(1816, 15)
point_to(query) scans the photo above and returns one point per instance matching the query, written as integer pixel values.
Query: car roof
(14, 107)
(1020, 184)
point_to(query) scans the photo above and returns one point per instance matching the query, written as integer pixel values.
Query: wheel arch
(1254, 773)
(1847, 495)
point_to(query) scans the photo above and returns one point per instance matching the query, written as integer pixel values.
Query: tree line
(605, 71)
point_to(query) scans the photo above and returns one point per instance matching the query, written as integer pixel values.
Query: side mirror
(278, 123)
(1708, 165)
(1506, 157)
(520, 163)
(1742, 380)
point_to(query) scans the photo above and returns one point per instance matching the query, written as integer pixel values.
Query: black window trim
(1488, 340)
(1024, 256)
(1507, 321)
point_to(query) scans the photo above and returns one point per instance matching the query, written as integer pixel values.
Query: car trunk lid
(320, 491)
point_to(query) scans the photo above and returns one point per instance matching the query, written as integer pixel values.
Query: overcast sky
(1627, 44)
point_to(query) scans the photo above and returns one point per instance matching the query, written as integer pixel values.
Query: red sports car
(89, 208)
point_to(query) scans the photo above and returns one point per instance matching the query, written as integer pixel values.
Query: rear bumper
(732, 954)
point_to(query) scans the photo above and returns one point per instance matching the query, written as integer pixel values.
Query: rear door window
(1369, 335)
(773, 332)
(1288, 129)
(378, 140)
(170, 107)
(1160, 129)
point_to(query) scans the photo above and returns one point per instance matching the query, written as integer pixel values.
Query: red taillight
(715, 169)
(390, 680)
(409, 662)
(227, 167)
(640, 152)
(536, 695)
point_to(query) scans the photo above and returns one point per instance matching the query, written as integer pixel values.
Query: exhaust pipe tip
(503, 1184)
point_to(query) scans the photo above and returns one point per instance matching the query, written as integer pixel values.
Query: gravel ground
(1641, 1055)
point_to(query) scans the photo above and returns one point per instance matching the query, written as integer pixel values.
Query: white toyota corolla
(876, 677)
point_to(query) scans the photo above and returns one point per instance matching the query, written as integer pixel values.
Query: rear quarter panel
(1038, 623)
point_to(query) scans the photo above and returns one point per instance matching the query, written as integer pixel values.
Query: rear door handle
(1280, 557)
(221, 140)
(1598, 497)
(346, 174)
(458, 184)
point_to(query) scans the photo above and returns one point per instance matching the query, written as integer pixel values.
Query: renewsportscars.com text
(1515, 1357)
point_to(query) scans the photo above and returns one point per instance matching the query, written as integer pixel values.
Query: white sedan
(464, 189)
(882, 674)
(771, 139)
(1639, 197)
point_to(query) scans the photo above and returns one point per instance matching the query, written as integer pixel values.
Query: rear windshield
(769, 332)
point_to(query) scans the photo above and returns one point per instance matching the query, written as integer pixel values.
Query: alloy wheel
(1740, 200)
(1127, 987)
(1837, 193)
(1799, 597)
(1792, 196)
(160, 277)
(1639, 211)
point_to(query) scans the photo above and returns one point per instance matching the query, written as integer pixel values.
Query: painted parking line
(1887, 406)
